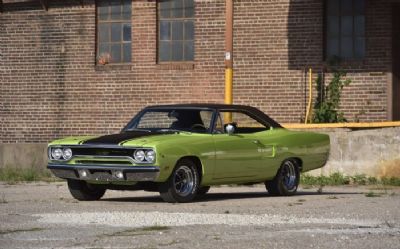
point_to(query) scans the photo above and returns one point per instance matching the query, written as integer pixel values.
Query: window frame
(121, 42)
(221, 112)
(340, 16)
(158, 30)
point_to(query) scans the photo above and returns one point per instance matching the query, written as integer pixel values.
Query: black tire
(84, 191)
(286, 181)
(203, 190)
(182, 185)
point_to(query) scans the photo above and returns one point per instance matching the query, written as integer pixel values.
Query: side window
(244, 123)
(206, 117)
(114, 31)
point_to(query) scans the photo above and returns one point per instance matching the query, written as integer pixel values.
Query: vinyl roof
(256, 113)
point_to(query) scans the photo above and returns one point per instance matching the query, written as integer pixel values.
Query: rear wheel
(286, 180)
(84, 191)
(182, 185)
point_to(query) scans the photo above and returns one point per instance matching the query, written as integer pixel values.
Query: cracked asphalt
(44, 215)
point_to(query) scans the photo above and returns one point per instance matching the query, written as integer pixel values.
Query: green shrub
(326, 108)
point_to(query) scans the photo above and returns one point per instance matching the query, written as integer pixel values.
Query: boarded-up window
(175, 30)
(114, 31)
(345, 29)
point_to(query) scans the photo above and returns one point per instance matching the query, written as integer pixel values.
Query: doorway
(396, 62)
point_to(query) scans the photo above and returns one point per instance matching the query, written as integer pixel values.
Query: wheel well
(298, 162)
(196, 161)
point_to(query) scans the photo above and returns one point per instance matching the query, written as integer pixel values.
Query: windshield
(191, 120)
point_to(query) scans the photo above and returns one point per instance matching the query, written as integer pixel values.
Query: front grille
(85, 151)
(103, 162)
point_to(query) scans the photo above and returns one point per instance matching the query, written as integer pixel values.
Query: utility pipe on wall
(229, 52)
(309, 106)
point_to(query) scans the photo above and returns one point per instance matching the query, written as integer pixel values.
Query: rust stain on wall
(389, 168)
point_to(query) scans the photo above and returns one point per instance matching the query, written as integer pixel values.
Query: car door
(239, 156)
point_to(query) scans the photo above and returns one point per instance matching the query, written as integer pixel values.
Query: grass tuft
(137, 231)
(155, 228)
(372, 194)
(333, 179)
(13, 175)
(337, 178)
(35, 229)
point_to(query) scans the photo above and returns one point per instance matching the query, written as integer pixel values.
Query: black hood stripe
(116, 139)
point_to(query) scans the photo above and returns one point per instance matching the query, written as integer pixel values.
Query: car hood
(113, 139)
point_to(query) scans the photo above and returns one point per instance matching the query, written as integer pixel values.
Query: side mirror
(230, 129)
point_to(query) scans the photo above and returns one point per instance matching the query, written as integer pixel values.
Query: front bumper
(104, 173)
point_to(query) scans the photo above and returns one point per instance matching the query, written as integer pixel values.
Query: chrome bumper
(105, 173)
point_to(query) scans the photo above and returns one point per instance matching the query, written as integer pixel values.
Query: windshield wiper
(136, 129)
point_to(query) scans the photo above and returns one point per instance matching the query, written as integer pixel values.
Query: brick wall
(50, 86)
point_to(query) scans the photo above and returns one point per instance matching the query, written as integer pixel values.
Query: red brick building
(53, 82)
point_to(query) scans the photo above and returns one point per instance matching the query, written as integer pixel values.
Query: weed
(360, 179)
(155, 228)
(326, 108)
(334, 179)
(35, 229)
(383, 187)
(138, 231)
(372, 194)
(13, 175)
(392, 181)
(338, 178)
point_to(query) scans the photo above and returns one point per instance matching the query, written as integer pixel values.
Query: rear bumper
(105, 173)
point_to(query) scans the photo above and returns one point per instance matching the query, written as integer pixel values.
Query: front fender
(170, 152)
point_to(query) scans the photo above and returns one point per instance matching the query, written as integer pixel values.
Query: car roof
(203, 105)
(249, 109)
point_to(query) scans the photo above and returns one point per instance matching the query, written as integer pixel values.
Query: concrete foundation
(374, 152)
(23, 155)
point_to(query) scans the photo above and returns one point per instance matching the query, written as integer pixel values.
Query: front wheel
(286, 180)
(182, 185)
(84, 191)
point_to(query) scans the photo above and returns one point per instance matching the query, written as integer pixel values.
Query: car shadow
(212, 197)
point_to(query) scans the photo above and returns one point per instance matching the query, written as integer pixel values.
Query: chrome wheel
(286, 180)
(183, 181)
(289, 175)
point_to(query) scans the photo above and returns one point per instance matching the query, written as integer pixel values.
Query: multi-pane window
(175, 30)
(114, 31)
(345, 29)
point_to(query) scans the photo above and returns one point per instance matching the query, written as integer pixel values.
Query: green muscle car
(182, 150)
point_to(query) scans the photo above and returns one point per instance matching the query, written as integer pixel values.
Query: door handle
(256, 141)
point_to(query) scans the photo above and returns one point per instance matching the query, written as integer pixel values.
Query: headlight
(67, 153)
(56, 153)
(139, 155)
(150, 155)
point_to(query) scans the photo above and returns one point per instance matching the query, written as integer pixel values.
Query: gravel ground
(43, 215)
